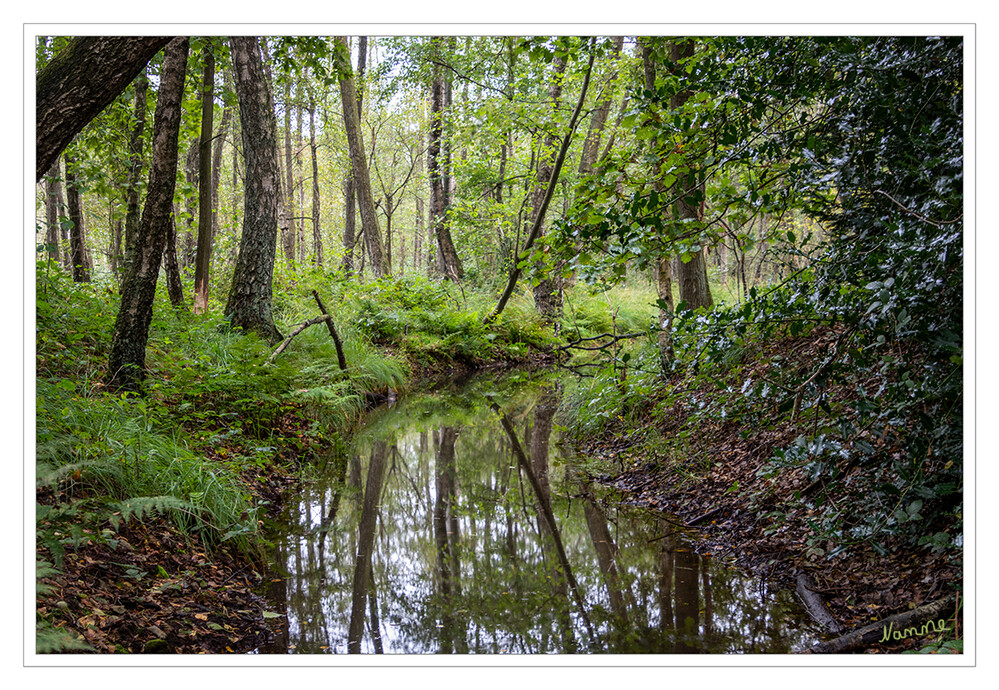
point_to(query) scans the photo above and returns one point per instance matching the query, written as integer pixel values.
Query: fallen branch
(924, 620)
(705, 516)
(816, 608)
(298, 329)
(613, 339)
(341, 359)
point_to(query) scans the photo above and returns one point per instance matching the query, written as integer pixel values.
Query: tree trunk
(598, 120)
(317, 244)
(170, 265)
(663, 275)
(288, 231)
(136, 142)
(79, 83)
(662, 268)
(217, 163)
(192, 172)
(79, 257)
(206, 209)
(448, 263)
(349, 187)
(349, 224)
(126, 363)
(53, 209)
(300, 202)
(249, 302)
(548, 291)
(365, 201)
(693, 276)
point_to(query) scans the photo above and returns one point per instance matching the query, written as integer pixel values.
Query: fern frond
(142, 507)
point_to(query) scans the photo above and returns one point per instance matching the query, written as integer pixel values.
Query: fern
(52, 640)
(142, 507)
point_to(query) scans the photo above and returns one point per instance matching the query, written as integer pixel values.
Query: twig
(298, 329)
(613, 339)
(921, 217)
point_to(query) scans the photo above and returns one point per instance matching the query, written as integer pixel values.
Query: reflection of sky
(502, 606)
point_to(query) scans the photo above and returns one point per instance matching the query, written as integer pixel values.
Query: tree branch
(539, 220)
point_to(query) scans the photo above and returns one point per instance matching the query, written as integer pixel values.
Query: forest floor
(149, 588)
(730, 508)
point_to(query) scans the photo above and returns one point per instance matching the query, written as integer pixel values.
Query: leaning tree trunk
(131, 330)
(79, 83)
(249, 303)
(548, 291)
(362, 180)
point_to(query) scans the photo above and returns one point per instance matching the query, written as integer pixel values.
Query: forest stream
(457, 524)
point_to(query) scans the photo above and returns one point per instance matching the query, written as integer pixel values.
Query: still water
(458, 525)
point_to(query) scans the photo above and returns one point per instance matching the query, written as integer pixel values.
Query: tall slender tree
(136, 142)
(79, 256)
(359, 162)
(126, 364)
(206, 199)
(662, 266)
(53, 212)
(449, 265)
(349, 187)
(249, 302)
(317, 244)
(693, 275)
(548, 290)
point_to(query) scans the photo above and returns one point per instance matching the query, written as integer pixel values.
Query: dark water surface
(433, 535)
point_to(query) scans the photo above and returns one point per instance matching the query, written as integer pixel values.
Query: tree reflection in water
(445, 531)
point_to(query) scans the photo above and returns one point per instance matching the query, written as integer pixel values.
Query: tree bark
(249, 302)
(126, 365)
(362, 180)
(79, 83)
(205, 198)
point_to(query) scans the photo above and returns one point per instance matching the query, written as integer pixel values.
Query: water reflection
(457, 526)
